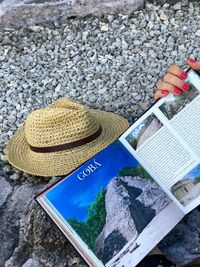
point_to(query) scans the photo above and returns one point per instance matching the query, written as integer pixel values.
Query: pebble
(3, 158)
(6, 168)
(163, 17)
(1, 118)
(104, 27)
(58, 87)
(197, 33)
(137, 42)
(14, 177)
(36, 28)
(177, 6)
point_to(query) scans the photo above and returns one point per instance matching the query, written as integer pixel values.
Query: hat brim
(61, 163)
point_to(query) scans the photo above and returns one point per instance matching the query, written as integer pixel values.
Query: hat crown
(62, 122)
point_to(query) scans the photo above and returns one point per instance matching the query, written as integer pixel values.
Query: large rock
(182, 244)
(18, 203)
(40, 243)
(5, 192)
(28, 236)
(18, 13)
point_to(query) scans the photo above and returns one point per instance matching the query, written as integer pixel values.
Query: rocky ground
(13, 13)
(110, 63)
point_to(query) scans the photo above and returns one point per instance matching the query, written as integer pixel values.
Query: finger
(177, 71)
(176, 82)
(194, 64)
(163, 86)
(158, 94)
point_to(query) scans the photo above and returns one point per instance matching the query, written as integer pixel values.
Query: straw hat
(55, 140)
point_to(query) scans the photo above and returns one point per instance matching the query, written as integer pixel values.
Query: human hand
(173, 80)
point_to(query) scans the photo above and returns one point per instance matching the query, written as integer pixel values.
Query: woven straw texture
(62, 122)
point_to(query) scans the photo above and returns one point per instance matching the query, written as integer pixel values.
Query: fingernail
(183, 75)
(165, 92)
(186, 87)
(192, 60)
(177, 91)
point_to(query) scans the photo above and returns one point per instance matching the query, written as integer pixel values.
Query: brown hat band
(66, 146)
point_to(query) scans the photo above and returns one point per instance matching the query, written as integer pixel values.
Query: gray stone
(163, 17)
(15, 176)
(104, 27)
(6, 190)
(32, 263)
(16, 208)
(183, 240)
(14, 14)
(137, 42)
(197, 33)
(177, 6)
(35, 28)
(3, 158)
(58, 87)
(37, 232)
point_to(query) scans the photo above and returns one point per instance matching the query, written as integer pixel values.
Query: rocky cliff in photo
(149, 130)
(131, 203)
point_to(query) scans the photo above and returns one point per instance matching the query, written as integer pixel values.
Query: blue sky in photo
(136, 130)
(193, 173)
(72, 197)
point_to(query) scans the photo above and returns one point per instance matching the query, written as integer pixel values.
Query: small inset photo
(188, 188)
(143, 131)
(174, 104)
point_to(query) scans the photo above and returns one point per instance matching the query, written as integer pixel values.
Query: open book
(121, 203)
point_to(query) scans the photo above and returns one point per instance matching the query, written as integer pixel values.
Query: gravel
(100, 62)
(111, 63)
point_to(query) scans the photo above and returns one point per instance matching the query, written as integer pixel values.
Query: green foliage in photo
(133, 142)
(135, 171)
(197, 180)
(128, 171)
(96, 219)
(143, 173)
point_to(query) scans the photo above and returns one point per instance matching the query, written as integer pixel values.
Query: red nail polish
(177, 91)
(186, 87)
(183, 75)
(165, 92)
(192, 60)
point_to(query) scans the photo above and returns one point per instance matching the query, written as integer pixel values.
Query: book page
(167, 141)
(111, 209)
